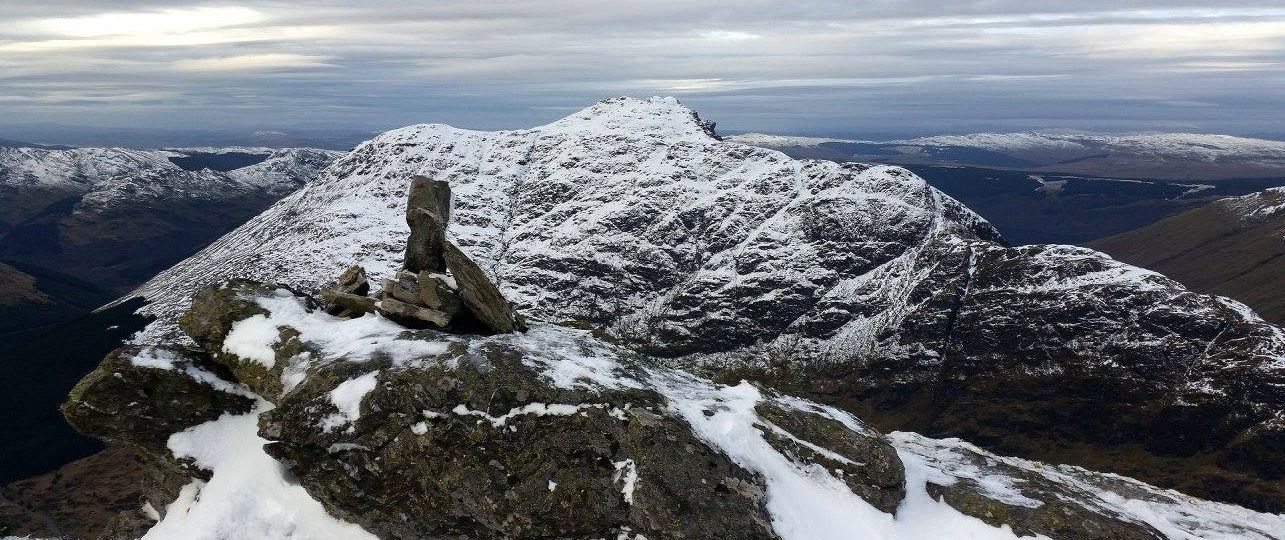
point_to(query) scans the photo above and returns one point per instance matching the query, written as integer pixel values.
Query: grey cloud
(818, 67)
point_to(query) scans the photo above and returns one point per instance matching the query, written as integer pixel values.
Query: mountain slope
(115, 216)
(858, 285)
(1233, 247)
(1169, 156)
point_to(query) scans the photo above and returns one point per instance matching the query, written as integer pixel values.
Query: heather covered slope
(858, 285)
(1233, 247)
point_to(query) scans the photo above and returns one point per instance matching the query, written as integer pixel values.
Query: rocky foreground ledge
(383, 430)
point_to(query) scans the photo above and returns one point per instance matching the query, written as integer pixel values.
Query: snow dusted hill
(116, 216)
(856, 285)
(1158, 155)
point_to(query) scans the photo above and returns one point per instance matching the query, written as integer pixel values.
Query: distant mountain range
(116, 216)
(78, 226)
(1233, 247)
(1166, 156)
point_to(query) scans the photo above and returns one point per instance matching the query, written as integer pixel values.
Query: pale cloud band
(837, 66)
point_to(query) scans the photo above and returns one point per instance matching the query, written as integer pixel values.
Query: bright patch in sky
(165, 21)
(724, 35)
(250, 62)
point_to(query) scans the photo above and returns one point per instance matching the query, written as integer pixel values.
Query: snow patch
(252, 339)
(347, 398)
(627, 474)
(249, 495)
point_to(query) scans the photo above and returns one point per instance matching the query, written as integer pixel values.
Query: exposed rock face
(856, 284)
(129, 399)
(210, 320)
(486, 450)
(865, 461)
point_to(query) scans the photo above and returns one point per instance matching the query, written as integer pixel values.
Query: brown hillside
(1232, 247)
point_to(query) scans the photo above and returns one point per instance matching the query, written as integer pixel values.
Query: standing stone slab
(428, 210)
(480, 296)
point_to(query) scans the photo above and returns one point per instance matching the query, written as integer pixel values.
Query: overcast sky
(858, 67)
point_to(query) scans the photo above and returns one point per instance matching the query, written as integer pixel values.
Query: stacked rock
(438, 286)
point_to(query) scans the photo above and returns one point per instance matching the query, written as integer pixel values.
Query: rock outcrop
(415, 433)
(439, 286)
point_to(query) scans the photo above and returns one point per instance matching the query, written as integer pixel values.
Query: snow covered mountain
(856, 285)
(116, 216)
(1177, 156)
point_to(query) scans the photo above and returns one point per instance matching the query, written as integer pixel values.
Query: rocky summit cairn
(438, 285)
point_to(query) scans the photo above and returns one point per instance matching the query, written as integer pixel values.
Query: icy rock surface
(858, 285)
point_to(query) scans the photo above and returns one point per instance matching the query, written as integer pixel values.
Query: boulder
(1032, 498)
(412, 315)
(353, 280)
(214, 313)
(404, 287)
(435, 292)
(346, 304)
(865, 461)
(483, 447)
(346, 296)
(139, 396)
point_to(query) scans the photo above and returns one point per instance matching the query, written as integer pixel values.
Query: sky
(876, 68)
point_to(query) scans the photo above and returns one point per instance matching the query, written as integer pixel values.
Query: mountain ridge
(115, 216)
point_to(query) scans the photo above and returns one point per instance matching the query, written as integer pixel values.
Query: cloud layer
(874, 67)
